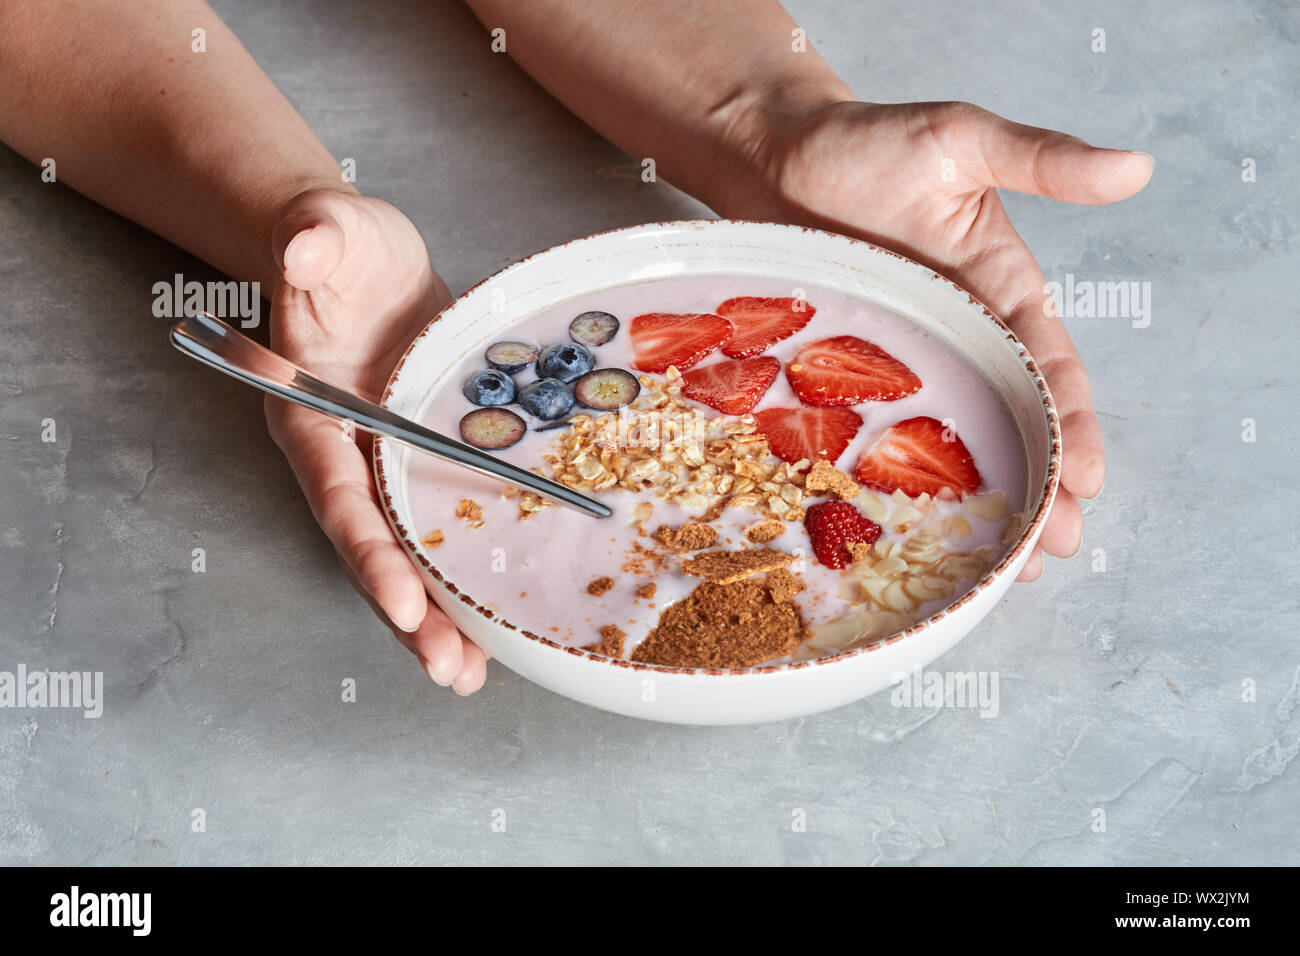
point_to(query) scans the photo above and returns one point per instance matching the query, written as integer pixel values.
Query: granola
(663, 445)
(471, 511)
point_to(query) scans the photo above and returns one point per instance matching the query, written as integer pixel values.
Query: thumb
(1049, 163)
(309, 241)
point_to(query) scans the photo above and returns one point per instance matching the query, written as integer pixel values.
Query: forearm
(201, 148)
(697, 86)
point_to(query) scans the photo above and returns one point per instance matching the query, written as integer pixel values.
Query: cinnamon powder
(727, 625)
(642, 560)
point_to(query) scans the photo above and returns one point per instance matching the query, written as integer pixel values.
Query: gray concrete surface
(1126, 691)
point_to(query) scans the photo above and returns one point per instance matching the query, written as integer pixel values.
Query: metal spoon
(215, 343)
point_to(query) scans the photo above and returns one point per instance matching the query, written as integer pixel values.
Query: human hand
(355, 288)
(922, 179)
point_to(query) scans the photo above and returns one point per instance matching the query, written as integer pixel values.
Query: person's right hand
(923, 179)
(355, 288)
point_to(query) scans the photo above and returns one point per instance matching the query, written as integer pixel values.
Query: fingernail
(1147, 155)
(414, 627)
(428, 669)
(284, 266)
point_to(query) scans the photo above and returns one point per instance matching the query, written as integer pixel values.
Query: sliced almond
(894, 564)
(990, 506)
(900, 516)
(875, 588)
(897, 599)
(873, 507)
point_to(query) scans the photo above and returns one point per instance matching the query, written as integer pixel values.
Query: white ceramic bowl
(662, 250)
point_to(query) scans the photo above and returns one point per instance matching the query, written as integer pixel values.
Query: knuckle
(959, 115)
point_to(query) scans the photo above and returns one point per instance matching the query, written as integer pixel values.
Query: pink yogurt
(534, 573)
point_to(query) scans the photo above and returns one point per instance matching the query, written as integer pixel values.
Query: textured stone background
(1120, 691)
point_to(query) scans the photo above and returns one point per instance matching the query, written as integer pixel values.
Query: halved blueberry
(510, 357)
(593, 328)
(565, 361)
(546, 398)
(492, 428)
(606, 389)
(489, 387)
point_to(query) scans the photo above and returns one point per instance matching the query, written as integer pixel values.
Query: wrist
(749, 178)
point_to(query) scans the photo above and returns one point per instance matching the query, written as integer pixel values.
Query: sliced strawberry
(846, 370)
(761, 323)
(661, 339)
(733, 388)
(918, 456)
(812, 433)
(832, 526)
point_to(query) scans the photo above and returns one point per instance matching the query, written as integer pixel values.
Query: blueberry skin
(489, 387)
(546, 398)
(565, 361)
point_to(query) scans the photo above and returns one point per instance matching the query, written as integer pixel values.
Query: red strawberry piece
(919, 455)
(832, 526)
(761, 323)
(812, 433)
(661, 339)
(846, 370)
(733, 388)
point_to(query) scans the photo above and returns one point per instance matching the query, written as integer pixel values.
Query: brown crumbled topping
(599, 586)
(826, 477)
(725, 567)
(432, 539)
(643, 560)
(692, 536)
(860, 551)
(647, 590)
(783, 584)
(765, 531)
(723, 625)
(612, 641)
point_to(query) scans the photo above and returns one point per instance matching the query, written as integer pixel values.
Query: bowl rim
(1027, 533)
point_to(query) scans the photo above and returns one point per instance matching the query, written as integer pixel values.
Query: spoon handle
(215, 343)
